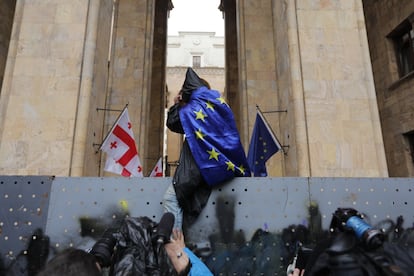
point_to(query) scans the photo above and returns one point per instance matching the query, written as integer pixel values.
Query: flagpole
(113, 126)
(269, 128)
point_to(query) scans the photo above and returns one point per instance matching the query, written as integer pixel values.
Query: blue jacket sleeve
(198, 268)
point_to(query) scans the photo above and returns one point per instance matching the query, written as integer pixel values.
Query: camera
(104, 248)
(350, 231)
(348, 219)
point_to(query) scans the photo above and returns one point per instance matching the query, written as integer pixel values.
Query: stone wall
(257, 71)
(307, 57)
(395, 95)
(130, 71)
(98, 61)
(41, 87)
(332, 92)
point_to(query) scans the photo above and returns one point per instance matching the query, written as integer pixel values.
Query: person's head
(192, 82)
(71, 262)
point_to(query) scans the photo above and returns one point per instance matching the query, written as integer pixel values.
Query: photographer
(142, 247)
(354, 248)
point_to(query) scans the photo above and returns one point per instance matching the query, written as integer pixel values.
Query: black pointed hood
(192, 82)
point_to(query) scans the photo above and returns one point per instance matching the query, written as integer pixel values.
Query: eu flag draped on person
(263, 145)
(212, 135)
(211, 153)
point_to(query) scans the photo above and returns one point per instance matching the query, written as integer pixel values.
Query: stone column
(42, 87)
(158, 95)
(90, 122)
(257, 69)
(94, 76)
(332, 95)
(130, 72)
(311, 59)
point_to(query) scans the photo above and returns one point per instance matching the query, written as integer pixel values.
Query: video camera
(350, 220)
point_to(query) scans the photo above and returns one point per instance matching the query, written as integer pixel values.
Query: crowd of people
(78, 262)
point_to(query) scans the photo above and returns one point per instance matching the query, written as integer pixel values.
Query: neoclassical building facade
(68, 67)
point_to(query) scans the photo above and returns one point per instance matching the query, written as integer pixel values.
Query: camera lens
(372, 238)
(104, 248)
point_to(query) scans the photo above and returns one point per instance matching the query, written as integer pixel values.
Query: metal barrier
(248, 225)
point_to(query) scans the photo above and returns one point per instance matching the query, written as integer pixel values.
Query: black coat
(136, 252)
(191, 189)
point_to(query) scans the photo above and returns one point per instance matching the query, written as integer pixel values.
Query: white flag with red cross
(119, 145)
(157, 171)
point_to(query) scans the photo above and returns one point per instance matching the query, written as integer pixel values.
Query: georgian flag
(119, 145)
(157, 171)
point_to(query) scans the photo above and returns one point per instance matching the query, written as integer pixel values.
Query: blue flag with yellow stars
(262, 146)
(212, 135)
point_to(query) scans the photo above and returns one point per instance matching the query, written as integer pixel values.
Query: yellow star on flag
(242, 169)
(221, 100)
(213, 154)
(209, 105)
(230, 165)
(199, 134)
(200, 115)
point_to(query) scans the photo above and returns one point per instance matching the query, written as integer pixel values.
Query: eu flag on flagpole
(262, 146)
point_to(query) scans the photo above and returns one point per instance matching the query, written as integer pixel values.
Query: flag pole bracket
(275, 111)
(96, 145)
(285, 152)
(108, 109)
(283, 147)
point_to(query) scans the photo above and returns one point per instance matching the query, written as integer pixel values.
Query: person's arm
(175, 251)
(183, 258)
(173, 119)
(173, 116)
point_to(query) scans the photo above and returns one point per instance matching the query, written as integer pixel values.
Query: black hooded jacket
(192, 82)
(191, 189)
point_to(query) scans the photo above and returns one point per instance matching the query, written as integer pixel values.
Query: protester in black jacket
(212, 152)
(188, 191)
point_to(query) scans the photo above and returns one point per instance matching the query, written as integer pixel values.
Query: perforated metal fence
(249, 226)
